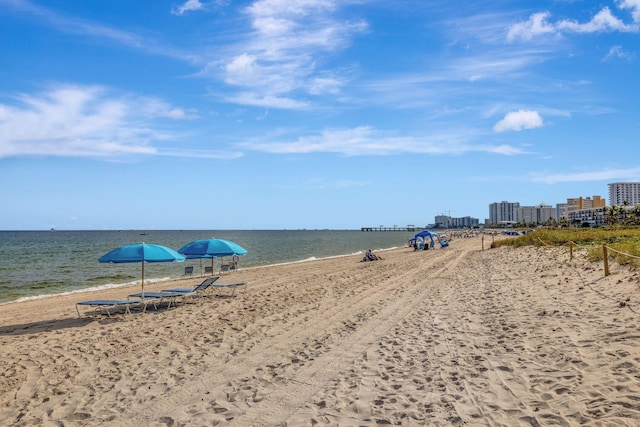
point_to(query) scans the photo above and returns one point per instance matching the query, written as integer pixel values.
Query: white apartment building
(624, 194)
(503, 212)
(537, 214)
(445, 221)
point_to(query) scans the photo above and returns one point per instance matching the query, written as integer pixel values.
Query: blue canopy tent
(420, 239)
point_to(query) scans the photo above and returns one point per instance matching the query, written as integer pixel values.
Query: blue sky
(273, 114)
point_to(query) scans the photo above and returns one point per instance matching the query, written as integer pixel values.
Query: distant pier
(410, 228)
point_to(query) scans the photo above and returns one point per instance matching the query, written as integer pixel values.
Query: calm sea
(35, 264)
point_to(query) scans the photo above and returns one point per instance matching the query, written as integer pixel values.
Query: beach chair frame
(109, 306)
(232, 286)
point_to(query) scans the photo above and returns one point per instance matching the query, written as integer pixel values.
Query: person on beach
(236, 260)
(370, 256)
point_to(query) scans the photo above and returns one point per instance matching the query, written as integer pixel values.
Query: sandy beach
(446, 337)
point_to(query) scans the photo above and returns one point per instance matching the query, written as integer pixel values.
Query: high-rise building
(624, 194)
(503, 212)
(537, 214)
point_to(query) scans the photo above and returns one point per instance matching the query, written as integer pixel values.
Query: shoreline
(67, 261)
(109, 286)
(445, 337)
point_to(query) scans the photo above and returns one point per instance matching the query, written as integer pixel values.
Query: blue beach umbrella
(141, 252)
(211, 248)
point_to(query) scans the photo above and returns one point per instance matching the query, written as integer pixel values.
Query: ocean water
(36, 264)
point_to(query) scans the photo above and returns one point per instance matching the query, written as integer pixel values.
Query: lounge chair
(220, 286)
(188, 271)
(198, 289)
(208, 270)
(110, 305)
(169, 297)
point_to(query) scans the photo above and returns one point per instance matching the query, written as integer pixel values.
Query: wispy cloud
(632, 174)
(88, 121)
(73, 25)
(188, 6)
(83, 27)
(280, 57)
(462, 81)
(367, 141)
(196, 5)
(617, 52)
(269, 101)
(519, 120)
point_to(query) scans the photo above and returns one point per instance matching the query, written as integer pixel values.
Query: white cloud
(273, 26)
(506, 150)
(367, 141)
(86, 121)
(519, 120)
(188, 6)
(616, 52)
(604, 21)
(290, 7)
(320, 85)
(535, 26)
(634, 5)
(178, 113)
(270, 101)
(242, 70)
(280, 56)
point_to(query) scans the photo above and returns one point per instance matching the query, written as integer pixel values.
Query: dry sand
(458, 336)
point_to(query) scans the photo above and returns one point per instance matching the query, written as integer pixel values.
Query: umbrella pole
(142, 279)
(212, 270)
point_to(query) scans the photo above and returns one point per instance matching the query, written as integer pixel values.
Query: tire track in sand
(312, 377)
(213, 386)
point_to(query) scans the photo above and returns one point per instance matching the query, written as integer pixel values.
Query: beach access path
(445, 337)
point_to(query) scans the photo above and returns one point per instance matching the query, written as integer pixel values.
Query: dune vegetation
(624, 242)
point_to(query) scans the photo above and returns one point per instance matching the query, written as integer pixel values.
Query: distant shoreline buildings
(579, 211)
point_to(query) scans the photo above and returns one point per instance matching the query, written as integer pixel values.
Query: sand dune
(461, 336)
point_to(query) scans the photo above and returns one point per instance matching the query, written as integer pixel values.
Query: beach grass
(625, 242)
